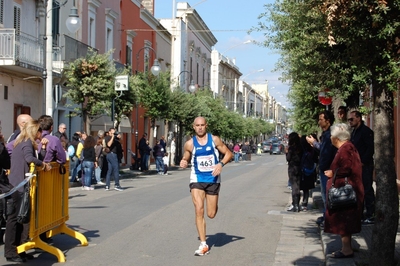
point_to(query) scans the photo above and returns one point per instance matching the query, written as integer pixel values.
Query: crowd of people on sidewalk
(342, 155)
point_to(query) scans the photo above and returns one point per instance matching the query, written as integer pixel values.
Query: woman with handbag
(24, 153)
(346, 166)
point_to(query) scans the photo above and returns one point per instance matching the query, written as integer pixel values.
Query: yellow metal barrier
(49, 210)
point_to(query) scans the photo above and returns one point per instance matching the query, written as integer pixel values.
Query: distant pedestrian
(142, 150)
(158, 153)
(293, 157)
(173, 151)
(166, 162)
(112, 159)
(89, 162)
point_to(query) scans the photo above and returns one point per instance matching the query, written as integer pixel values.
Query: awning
(104, 123)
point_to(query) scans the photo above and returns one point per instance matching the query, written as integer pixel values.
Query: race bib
(205, 163)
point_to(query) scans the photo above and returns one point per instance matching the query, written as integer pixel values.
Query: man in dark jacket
(142, 151)
(326, 152)
(363, 139)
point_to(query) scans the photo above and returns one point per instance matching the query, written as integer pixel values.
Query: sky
(229, 22)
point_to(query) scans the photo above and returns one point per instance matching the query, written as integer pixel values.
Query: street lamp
(192, 86)
(234, 46)
(247, 93)
(155, 70)
(73, 23)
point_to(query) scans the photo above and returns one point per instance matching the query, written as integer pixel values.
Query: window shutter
(17, 19)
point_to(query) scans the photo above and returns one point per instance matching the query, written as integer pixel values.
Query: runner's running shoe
(203, 250)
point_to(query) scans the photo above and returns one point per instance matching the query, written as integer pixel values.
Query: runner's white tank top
(204, 158)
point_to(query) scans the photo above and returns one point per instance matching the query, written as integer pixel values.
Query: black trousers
(16, 233)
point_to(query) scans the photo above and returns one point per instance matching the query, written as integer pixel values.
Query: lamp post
(234, 46)
(155, 70)
(192, 86)
(247, 93)
(73, 24)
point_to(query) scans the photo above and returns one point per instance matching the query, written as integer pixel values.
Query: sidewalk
(303, 242)
(361, 242)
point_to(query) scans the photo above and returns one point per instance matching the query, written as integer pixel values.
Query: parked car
(276, 148)
(266, 146)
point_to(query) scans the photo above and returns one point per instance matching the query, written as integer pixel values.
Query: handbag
(341, 197)
(24, 212)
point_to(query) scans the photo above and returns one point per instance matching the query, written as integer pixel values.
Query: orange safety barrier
(49, 210)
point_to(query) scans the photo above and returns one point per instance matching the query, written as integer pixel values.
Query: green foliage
(91, 83)
(154, 93)
(228, 125)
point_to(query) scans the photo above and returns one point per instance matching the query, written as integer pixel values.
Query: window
(5, 92)
(128, 60)
(17, 19)
(1, 11)
(56, 22)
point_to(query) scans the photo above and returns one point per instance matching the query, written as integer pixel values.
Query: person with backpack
(309, 161)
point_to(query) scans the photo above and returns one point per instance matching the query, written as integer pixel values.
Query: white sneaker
(88, 188)
(203, 250)
(118, 188)
(100, 183)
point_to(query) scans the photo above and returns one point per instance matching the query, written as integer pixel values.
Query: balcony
(24, 53)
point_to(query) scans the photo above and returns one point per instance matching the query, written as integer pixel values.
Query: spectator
(236, 152)
(158, 153)
(293, 157)
(100, 158)
(52, 151)
(326, 153)
(173, 151)
(347, 163)
(166, 162)
(342, 114)
(89, 162)
(23, 155)
(22, 119)
(142, 150)
(363, 139)
(309, 161)
(74, 162)
(112, 159)
(61, 133)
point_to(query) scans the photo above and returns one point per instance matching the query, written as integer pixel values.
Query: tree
(154, 95)
(91, 85)
(346, 46)
(372, 28)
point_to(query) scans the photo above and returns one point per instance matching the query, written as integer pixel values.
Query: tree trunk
(387, 200)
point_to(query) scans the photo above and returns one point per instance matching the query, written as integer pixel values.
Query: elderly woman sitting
(347, 221)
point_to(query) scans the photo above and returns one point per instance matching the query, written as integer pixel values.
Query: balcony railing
(20, 49)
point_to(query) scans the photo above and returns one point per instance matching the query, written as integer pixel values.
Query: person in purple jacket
(52, 151)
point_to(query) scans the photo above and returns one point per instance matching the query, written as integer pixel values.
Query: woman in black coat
(293, 157)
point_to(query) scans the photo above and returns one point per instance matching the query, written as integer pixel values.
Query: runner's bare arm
(187, 153)
(222, 148)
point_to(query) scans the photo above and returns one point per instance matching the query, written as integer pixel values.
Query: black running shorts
(209, 188)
